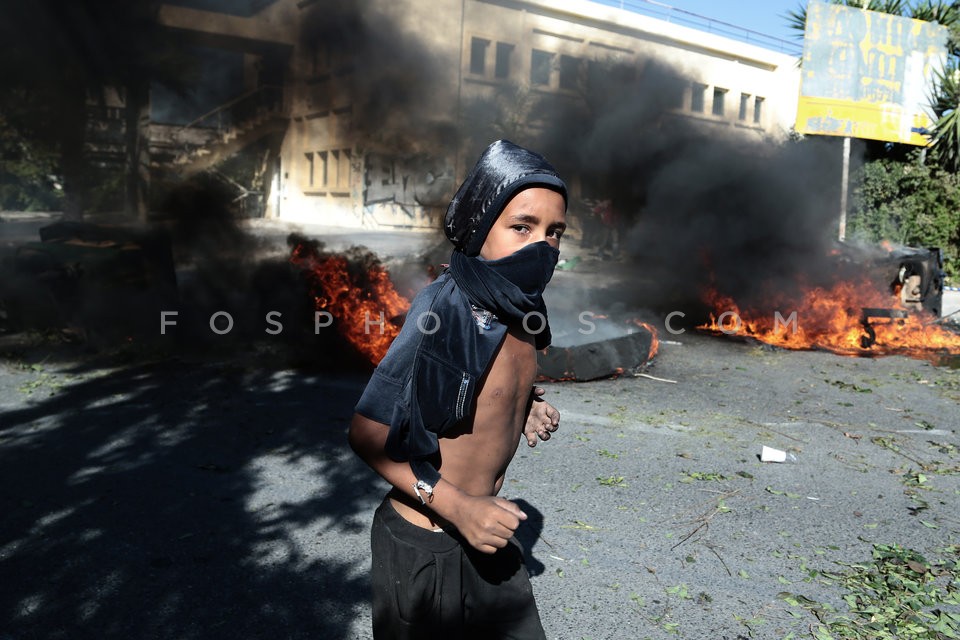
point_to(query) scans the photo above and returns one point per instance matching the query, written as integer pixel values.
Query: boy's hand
(488, 522)
(542, 420)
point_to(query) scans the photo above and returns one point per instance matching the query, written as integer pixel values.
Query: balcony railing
(265, 99)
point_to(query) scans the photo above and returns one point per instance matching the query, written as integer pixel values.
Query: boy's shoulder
(417, 321)
(426, 300)
(428, 292)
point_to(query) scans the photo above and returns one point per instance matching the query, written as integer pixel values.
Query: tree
(945, 138)
(27, 173)
(60, 56)
(909, 203)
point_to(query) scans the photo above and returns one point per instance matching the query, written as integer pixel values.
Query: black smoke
(700, 203)
(390, 77)
(197, 281)
(226, 266)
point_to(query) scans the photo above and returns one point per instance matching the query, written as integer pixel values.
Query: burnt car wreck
(914, 281)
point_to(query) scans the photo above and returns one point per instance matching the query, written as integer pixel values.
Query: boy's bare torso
(476, 457)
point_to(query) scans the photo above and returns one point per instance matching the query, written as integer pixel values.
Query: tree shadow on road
(184, 500)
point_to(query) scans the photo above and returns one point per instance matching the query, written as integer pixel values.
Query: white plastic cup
(769, 454)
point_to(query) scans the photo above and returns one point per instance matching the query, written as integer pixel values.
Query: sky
(763, 16)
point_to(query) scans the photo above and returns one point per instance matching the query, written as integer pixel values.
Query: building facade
(384, 105)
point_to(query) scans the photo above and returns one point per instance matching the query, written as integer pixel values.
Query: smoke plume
(699, 203)
(389, 76)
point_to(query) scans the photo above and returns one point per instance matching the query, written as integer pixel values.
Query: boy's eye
(556, 233)
(521, 228)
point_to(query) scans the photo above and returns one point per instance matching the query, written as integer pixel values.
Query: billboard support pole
(844, 187)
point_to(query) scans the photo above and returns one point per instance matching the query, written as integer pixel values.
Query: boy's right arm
(487, 522)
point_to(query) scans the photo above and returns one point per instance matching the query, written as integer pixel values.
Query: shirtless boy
(444, 411)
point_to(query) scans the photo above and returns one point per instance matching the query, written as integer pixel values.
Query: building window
(719, 97)
(319, 58)
(595, 76)
(322, 158)
(757, 109)
(504, 52)
(478, 56)
(673, 92)
(324, 59)
(309, 168)
(698, 97)
(335, 168)
(569, 72)
(744, 105)
(318, 93)
(540, 62)
(339, 169)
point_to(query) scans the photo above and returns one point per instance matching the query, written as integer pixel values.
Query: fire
(363, 301)
(654, 338)
(847, 318)
(362, 304)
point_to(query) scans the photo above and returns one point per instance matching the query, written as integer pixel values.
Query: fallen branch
(714, 552)
(705, 518)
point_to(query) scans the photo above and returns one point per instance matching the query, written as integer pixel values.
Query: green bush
(908, 203)
(27, 181)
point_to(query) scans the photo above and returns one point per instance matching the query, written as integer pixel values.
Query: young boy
(442, 415)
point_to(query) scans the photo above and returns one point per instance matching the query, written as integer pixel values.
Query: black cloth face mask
(510, 287)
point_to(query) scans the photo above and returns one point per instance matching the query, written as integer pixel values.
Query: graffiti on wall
(408, 182)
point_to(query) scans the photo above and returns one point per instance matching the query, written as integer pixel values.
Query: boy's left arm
(542, 418)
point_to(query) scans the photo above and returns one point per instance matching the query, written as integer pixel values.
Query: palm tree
(945, 101)
(945, 137)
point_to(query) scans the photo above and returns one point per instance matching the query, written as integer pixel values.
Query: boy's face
(533, 215)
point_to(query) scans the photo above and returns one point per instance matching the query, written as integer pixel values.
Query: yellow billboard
(868, 74)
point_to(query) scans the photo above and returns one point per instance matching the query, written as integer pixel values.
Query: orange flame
(848, 318)
(362, 306)
(654, 337)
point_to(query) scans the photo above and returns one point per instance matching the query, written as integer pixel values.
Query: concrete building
(367, 114)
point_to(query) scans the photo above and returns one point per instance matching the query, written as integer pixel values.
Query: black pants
(433, 585)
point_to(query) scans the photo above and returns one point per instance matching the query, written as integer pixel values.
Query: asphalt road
(201, 498)
(212, 496)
